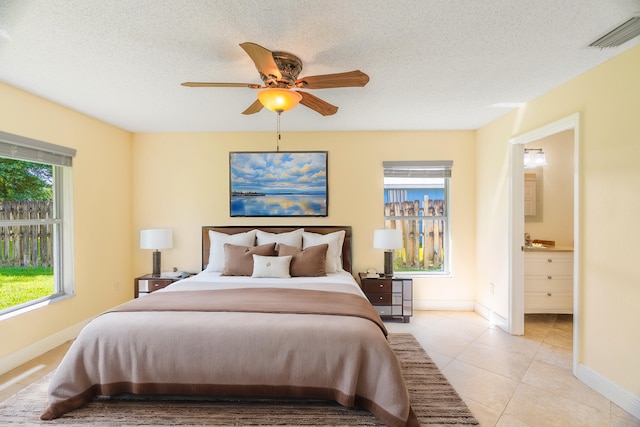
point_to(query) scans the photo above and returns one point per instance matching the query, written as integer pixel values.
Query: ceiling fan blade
(253, 108)
(317, 104)
(207, 84)
(263, 58)
(354, 78)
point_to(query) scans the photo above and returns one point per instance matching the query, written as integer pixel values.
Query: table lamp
(156, 239)
(387, 240)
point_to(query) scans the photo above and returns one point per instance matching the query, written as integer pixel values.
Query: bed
(275, 313)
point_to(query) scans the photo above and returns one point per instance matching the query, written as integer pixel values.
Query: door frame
(516, 223)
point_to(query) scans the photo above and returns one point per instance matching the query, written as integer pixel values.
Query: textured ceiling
(433, 64)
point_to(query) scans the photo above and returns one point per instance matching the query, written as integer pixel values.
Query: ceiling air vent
(620, 34)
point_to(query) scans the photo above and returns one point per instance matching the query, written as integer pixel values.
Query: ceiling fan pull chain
(278, 128)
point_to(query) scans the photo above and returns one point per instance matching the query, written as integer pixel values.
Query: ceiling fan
(279, 72)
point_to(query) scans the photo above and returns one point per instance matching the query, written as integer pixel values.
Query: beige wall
(606, 98)
(101, 213)
(554, 216)
(182, 181)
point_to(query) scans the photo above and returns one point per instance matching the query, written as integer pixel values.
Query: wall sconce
(387, 240)
(156, 239)
(538, 160)
(278, 99)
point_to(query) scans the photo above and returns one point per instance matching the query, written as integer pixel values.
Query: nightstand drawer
(383, 310)
(375, 285)
(379, 298)
(150, 285)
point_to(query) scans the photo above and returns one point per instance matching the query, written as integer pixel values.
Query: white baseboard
(445, 305)
(15, 359)
(611, 391)
(492, 317)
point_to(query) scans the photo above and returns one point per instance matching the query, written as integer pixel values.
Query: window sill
(415, 275)
(34, 306)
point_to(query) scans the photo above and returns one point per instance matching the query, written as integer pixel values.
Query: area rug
(433, 399)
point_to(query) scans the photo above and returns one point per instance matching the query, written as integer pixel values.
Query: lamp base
(156, 264)
(388, 263)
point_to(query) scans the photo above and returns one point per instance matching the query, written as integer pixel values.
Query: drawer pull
(548, 294)
(381, 285)
(549, 260)
(549, 277)
(380, 298)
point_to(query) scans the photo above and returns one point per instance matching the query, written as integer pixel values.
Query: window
(36, 245)
(416, 201)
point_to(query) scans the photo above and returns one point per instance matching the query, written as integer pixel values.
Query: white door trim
(516, 223)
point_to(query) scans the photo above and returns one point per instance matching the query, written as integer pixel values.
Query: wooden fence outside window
(26, 245)
(423, 238)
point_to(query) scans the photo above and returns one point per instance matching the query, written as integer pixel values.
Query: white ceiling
(433, 64)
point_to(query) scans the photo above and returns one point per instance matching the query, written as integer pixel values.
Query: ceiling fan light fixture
(279, 99)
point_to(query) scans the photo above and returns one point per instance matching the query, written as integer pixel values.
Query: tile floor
(513, 380)
(505, 380)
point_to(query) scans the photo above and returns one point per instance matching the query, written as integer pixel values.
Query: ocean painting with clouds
(278, 183)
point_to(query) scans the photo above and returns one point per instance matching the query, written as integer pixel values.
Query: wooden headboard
(233, 229)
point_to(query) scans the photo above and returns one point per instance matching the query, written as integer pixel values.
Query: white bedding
(337, 282)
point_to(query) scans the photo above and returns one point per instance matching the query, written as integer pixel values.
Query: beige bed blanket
(238, 342)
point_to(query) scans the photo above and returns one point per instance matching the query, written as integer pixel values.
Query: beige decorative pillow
(238, 260)
(271, 266)
(309, 262)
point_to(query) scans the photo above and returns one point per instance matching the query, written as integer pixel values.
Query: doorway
(517, 223)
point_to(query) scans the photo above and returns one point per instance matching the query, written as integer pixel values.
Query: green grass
(22, 284)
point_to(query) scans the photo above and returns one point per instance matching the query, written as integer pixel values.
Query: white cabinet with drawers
(548, 282)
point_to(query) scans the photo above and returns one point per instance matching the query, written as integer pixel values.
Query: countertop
(547, 249)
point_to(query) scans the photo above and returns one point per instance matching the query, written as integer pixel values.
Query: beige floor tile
(536, 331)
(505, 363)
(540, 408)
(561, 381)
(621, 418)
(459, 329)
(441, 342)
(511, 421)
(554, 355)
(493, 390)
(487, 417)
(560, 338)
(515, 344)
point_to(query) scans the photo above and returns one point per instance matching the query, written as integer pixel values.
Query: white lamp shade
(156, 238)
(541, 159)
(387, 239)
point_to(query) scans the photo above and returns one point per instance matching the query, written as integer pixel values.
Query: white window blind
(22, 148)
(418, 169)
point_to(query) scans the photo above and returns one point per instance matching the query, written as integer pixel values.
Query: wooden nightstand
(392, 297)
(148, 283)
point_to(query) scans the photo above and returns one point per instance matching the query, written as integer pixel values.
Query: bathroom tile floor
(505, 380)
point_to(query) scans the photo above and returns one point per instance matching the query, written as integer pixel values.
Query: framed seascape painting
(278, 183)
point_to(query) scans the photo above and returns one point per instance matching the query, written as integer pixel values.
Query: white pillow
(216, 247)
(271, 266)
(290, 238)
(334, 251)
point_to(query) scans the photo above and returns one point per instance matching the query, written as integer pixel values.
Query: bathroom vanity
(548, 280)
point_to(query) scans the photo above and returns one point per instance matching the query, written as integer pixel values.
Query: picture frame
(278, 184)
